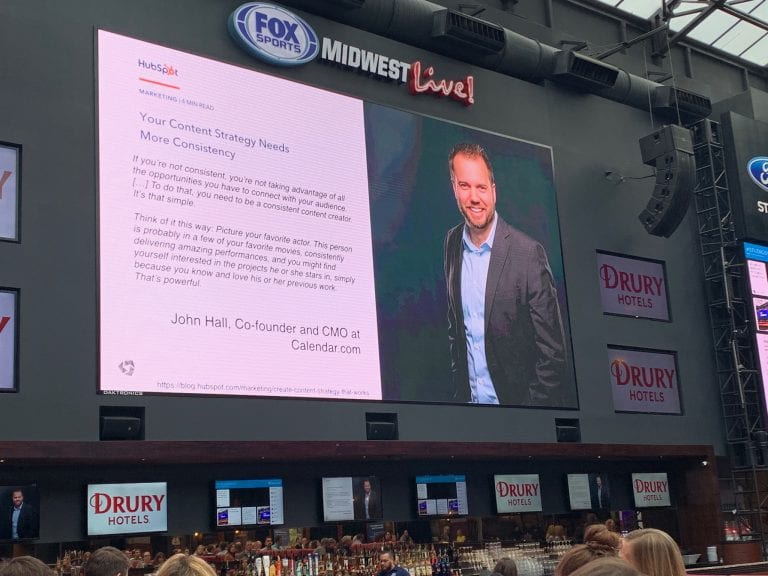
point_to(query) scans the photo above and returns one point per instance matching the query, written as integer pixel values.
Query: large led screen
(262, 237)
(757, 267)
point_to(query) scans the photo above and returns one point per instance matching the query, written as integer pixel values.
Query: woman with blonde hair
(653, 552)
(183, 565)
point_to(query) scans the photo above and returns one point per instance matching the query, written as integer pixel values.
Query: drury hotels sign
(517, 493)
(125, 508)
(643, 380)
(631, 286)
(650, 489)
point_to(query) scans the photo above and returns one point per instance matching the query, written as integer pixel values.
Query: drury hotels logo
(120, 508)
(273, 34)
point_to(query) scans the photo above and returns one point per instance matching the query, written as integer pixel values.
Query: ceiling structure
(736, 27)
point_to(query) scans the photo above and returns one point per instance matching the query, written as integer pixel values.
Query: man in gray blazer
(504, 327)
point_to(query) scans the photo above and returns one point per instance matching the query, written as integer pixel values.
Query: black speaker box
(568, 434)
(675, 178)
(120, 428)
(381, 430)
(667, 139)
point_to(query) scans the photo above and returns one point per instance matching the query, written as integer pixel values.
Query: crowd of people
(644, 552)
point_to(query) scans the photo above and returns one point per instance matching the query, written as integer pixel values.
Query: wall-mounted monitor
(277, 239)
(589, 491)
(351, 498)
(651, 489)
(19, 512)
(444, 495)
(127, 508)
(517, 493)
(242, 503)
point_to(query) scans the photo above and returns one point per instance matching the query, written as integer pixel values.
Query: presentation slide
(338, 504)
(235, 237)
(578, 492)
(259, 237)
(352, 498)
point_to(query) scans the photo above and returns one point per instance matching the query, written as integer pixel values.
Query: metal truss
(730, 311)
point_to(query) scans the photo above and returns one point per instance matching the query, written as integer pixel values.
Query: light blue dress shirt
(474, 275)
(15, 523)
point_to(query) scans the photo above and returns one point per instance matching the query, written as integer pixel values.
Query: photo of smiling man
(505, 330)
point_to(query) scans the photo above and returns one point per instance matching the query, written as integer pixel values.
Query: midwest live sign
(517, 493)
(631, 286)
(643, 380)
(126, 508)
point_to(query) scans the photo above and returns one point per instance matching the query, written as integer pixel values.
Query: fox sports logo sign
(758, 171)
(273, 34)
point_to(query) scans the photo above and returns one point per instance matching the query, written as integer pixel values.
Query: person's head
(25, 566)
(591, 531)
(367, 486)
(607, 566)
(147, 557)
(267, 542)
(506, 567)
(653, 553)
(601, 544)
(598, 480)
(473, 185)
(386, 560)
(107, 561)
(610, 524)
(158, 559)
(18, 498)
(182, 565)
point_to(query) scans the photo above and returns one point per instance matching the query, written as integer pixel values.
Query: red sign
(517, 493)
(632, 286)
(422, 83)
(124, 508)
(643, 381)
(651, 489)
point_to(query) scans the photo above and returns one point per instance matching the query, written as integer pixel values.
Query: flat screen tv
(242, 503)
(129, 508)
(352, 498)
(441, 495)
(589, 491)
(19, 512)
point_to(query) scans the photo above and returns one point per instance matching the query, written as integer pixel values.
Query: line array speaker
(670, 151)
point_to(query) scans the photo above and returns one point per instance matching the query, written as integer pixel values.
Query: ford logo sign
(273, 34)
(758, 171)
